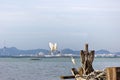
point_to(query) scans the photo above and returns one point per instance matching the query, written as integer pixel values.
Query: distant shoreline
(50, 57)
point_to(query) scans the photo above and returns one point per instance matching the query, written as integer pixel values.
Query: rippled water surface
(45, 68)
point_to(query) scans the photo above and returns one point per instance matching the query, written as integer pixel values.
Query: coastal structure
(87, 72)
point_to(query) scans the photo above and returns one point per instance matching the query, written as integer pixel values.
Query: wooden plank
(113, 73)
(118, 73)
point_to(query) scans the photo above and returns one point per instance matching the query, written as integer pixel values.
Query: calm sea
(45, 68)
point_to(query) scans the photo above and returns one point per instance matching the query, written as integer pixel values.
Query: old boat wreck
(87, 72)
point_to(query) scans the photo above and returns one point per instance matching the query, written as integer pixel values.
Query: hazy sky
(31, 24)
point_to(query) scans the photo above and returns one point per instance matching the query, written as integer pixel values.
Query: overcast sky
(31, 24)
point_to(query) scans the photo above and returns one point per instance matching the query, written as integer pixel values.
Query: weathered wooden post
(113, 73)
(87, 60)
(84, 72)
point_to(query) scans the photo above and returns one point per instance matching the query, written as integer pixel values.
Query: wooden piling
(87, 60)
(113, 73)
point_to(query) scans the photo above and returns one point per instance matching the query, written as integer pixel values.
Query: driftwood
(86, 60)
(67, 77)
(86, 72)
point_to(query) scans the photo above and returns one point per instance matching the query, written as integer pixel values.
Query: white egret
(73, 60)
(53, 47)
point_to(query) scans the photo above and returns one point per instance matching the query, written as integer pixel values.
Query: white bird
(73, 60)
(52, 46)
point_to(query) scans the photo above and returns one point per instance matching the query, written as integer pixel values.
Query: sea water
(46, 68)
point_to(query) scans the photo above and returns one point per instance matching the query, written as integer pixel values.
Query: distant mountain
(102, 51)
(13, 51)
(69, 51)
(117, 53)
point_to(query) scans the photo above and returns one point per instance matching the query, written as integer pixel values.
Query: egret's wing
(51, 45)
(73, 60)
(55, 46)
